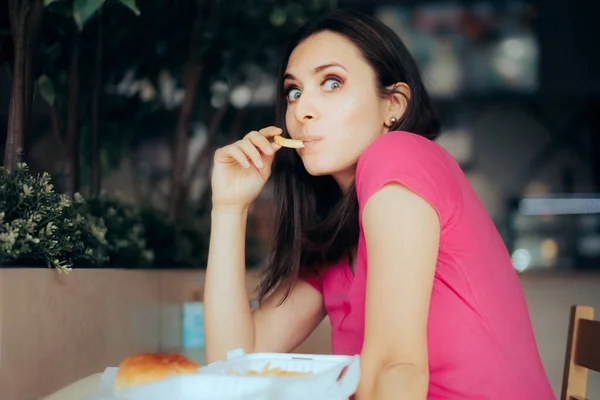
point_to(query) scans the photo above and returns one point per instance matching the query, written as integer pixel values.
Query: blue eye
(332, 84)
(293, 94)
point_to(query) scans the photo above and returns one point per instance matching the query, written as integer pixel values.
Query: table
(84, 388)
(79, 390)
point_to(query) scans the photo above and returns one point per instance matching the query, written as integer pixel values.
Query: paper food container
(330, 378)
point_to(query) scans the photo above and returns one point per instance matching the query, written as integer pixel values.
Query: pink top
(480, 340)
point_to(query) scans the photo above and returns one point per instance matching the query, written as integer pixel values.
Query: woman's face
(332, 105)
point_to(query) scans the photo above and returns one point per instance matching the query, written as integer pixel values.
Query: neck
(344, 180)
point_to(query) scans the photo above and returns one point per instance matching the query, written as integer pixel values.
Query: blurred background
(125, 104)
(113, 110)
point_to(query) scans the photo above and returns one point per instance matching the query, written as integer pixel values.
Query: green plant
(192, 241)
(41, 227)
(160, 235)
(184, 244)
(126, 234)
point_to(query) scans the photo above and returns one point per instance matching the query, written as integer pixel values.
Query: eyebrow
(317, 70)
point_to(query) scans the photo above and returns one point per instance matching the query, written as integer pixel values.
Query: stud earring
(393, 120)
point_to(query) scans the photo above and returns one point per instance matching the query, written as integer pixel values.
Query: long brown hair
(315, 224)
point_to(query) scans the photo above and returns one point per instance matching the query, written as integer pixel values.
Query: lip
(311, 141)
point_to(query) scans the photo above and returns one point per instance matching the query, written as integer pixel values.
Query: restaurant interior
(125, 126)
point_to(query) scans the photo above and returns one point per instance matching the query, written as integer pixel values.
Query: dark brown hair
(315, 224)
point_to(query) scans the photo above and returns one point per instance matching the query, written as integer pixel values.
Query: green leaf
(48, 2)
(131, 5)
(46, 89)
(83, 10)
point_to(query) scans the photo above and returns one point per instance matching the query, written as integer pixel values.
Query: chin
(318, 169)
(318, 172)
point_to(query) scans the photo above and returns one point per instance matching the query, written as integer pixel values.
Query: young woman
(376, 226)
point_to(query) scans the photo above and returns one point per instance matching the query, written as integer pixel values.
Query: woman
(375, 226)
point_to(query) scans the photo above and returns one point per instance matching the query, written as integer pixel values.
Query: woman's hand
(241, 169)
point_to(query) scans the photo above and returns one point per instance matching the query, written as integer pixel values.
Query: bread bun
(145, 368)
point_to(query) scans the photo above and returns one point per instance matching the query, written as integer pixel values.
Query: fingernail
(269, 150)
(259, 164)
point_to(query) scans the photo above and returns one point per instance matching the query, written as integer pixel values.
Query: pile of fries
(268, 371)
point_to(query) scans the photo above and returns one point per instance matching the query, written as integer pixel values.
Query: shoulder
(415, 162)
(403, 146)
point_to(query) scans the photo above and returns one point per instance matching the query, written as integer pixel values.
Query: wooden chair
(583, 352)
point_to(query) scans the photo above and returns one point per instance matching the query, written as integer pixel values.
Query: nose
(305, 109)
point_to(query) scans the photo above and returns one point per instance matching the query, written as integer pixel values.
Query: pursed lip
(308, 140)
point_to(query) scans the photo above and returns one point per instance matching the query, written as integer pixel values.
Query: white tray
(215, 382)
(332, 377)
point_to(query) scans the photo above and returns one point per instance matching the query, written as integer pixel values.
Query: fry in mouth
(290, 143)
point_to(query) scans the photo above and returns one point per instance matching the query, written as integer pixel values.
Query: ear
(396, 103)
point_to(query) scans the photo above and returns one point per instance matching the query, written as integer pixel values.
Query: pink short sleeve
(413, 161)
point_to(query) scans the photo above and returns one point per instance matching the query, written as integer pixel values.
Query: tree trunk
(57, 126)
(213, 129)
(203, 160)
(193, 72)
(96, 167)
(34, 22)
(180, 153)
(18, 11)
(71, 159)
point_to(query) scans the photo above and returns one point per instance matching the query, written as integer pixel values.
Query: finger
(271, 131)
(251, 152)
(238, 155)
(261, 142)
(276, 146)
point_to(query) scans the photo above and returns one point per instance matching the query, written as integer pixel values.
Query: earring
(393, 120)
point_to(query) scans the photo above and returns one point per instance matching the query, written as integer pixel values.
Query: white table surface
(79, 390)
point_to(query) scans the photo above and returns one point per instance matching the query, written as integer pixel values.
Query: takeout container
(331, 378)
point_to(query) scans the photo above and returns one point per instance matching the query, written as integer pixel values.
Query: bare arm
(282, 329)
(229, 323)
(239, 173)
(402, 236)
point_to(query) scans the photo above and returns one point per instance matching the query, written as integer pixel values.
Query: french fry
(267, 371)
(290, 143)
